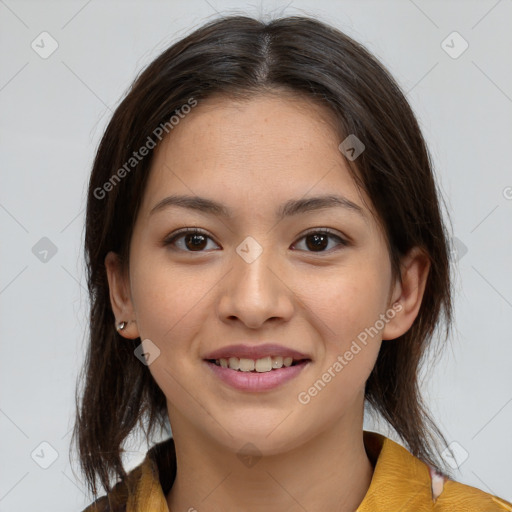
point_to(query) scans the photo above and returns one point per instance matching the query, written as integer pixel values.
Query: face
(272, 269)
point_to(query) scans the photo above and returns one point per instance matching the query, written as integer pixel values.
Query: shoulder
(456, 496)
(148, 482)
(451, 495)
(401, 481)
(116, 500)
(100, 505)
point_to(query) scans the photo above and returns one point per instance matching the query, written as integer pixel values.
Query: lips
(255, 352)
(254, 381)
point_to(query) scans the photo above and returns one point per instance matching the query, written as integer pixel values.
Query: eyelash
(171, 239)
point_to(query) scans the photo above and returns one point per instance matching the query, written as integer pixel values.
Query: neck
(329, 472)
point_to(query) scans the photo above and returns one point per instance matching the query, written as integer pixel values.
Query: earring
(121, 325)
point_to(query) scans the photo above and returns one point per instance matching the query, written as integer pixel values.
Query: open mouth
(257, 375)
(265, 364)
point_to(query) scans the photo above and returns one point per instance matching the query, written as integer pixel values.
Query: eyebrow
(290, 208)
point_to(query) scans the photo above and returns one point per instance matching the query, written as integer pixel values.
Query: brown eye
(189, 240)
(318, 241)
(196, 241)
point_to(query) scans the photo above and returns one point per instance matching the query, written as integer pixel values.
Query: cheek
(168, 304)
(167, 300)
(347, 300)
(347, 306)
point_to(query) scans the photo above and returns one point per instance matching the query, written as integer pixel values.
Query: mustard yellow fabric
(400, 483)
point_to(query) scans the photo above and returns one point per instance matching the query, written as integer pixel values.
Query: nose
(254, 293)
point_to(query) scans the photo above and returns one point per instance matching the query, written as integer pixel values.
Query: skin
(253, 156)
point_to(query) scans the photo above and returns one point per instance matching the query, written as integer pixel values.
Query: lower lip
(257, 381)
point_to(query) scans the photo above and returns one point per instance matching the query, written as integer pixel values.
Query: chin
(260, 439)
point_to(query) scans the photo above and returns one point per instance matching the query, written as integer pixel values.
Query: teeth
(246, 365)
(265, 364)
(277, 362)
(233, 363)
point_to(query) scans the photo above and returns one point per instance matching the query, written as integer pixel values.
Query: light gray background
(53, 112)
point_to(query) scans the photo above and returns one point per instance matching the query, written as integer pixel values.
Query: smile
(262, 365)
(256, 375)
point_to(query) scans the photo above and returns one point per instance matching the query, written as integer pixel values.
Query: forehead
(263, 149)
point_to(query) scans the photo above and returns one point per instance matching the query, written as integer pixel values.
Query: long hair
(239, 57)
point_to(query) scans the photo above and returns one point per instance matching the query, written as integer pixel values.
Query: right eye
(188, 240)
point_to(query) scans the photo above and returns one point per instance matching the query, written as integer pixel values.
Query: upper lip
(255, 352)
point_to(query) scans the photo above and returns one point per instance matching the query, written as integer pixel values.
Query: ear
(120, 297)
(407, 295)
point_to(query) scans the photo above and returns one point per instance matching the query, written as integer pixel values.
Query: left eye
(318, 241)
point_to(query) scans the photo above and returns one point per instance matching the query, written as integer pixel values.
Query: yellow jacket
(400, 483)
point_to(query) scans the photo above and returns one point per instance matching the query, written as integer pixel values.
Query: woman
(266, 255)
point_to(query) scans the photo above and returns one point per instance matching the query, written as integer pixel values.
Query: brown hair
(239, 57)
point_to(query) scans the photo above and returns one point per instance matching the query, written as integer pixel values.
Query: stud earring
(121, 325)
